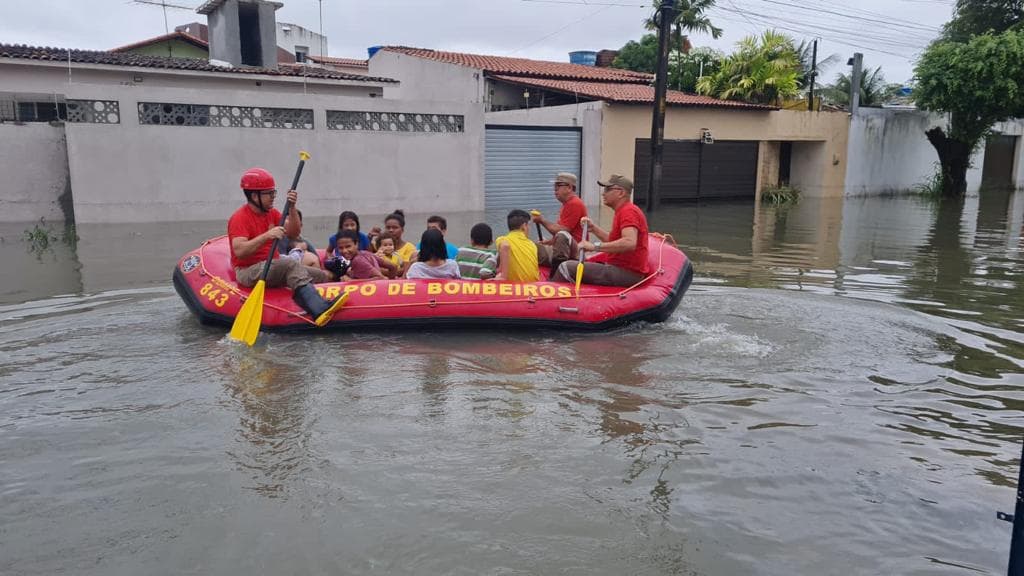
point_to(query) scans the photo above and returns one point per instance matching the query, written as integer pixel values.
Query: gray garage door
(521, 163)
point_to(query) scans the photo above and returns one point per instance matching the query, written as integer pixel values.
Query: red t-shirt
(628, 216)
(245, 223)
(569, 217)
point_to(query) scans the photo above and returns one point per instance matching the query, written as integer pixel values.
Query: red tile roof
(524, 67)
(21, 52)
(197, 42)
(353, 62)
(627, 93)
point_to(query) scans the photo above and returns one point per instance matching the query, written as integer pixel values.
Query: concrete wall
(427, 80)
(822, 175)
(53, 77)
(35, 173)
(299, 36)
(588, 116)
(223, 32)
(889, 151)
(135, 173)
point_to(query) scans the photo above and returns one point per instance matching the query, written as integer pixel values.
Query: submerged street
(840, 391)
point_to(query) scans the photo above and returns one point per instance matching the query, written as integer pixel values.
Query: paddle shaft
(539, 235)
(284, 217)
(586, 233)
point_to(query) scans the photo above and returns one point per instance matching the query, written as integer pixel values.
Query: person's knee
(566, 271)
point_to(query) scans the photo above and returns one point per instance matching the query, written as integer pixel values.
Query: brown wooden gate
(693, 171)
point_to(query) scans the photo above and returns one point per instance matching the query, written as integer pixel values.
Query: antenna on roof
(163, 4)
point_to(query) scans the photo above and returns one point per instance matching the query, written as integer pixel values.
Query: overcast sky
(890, 33)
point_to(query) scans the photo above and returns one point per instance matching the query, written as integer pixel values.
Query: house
(126, 137)
(542, 117)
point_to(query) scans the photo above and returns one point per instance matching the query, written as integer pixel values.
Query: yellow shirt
(395, 259)
(405, 252)
(522, 265)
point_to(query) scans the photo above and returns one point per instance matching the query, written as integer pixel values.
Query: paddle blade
(247, 324)
(579, 278)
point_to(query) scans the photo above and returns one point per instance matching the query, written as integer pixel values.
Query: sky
(890, 33)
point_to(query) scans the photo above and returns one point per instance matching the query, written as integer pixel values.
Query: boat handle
(568, 309)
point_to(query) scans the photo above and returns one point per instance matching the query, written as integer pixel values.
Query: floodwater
(840, 392)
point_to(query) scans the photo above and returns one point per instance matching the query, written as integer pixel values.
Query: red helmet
(257, 179)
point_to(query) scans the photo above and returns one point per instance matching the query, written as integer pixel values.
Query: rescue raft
(206, 282)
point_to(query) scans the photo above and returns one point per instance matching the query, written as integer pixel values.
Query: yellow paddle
(579, 267)
(247, 324)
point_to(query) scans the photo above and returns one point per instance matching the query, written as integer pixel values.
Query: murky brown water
(840, 392)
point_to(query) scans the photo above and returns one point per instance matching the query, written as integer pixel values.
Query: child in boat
(386, 251)
(433, 258)
(347, 220)
(296, 247)
(362, 264)
(478, 261)
(517, 254)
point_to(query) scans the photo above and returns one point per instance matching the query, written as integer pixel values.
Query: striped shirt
(474, 262)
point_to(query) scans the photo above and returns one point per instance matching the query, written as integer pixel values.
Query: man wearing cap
(569, 228)
(621, 254)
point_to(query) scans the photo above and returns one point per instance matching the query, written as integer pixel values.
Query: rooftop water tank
(373, 50)
(584, 57)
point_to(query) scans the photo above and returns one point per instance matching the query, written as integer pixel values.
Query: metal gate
(521, 162)
(692, 170)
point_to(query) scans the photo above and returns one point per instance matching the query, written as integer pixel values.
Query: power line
(573, 23)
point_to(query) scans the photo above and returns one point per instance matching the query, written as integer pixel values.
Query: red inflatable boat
(206, 283)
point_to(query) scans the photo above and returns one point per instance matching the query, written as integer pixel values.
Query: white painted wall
(138, 173)
(291, 35)
(426, 79)
(34, 164)
(888, 151)
(587, 115)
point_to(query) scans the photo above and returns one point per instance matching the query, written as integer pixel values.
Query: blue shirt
(332, 242)
(453, 250)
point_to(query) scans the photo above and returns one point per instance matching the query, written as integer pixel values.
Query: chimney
(606, 57)
(242, 32)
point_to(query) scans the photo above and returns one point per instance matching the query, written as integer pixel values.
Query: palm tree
(874, 91)
(763, 70)
(691, 18)
(805, 51)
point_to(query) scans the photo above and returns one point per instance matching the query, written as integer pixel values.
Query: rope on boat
(233, 288)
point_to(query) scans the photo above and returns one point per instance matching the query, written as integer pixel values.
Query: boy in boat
(568, 230)
(362, 264)
(478, 261)
(252, 230)
(517, 254)
(441, 225)
(621, 258)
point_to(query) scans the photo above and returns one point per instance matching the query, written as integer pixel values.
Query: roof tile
(353, 62)
(525, 67)
(628, 93)
(22, 52)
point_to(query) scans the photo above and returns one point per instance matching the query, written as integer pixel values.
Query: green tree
(874, 90)
(764, 70)
(805, 51)
(690, 17)
(974, 17)
(977, 83)
(686, 68)
(639, 56)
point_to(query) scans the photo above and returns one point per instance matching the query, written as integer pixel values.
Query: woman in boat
(433, 258)
(394, 225)
(347, 220)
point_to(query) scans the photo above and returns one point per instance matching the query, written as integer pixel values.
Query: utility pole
(857, 62)
(667, 13)
(814, 75)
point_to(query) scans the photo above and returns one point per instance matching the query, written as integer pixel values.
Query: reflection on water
(840, 391)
